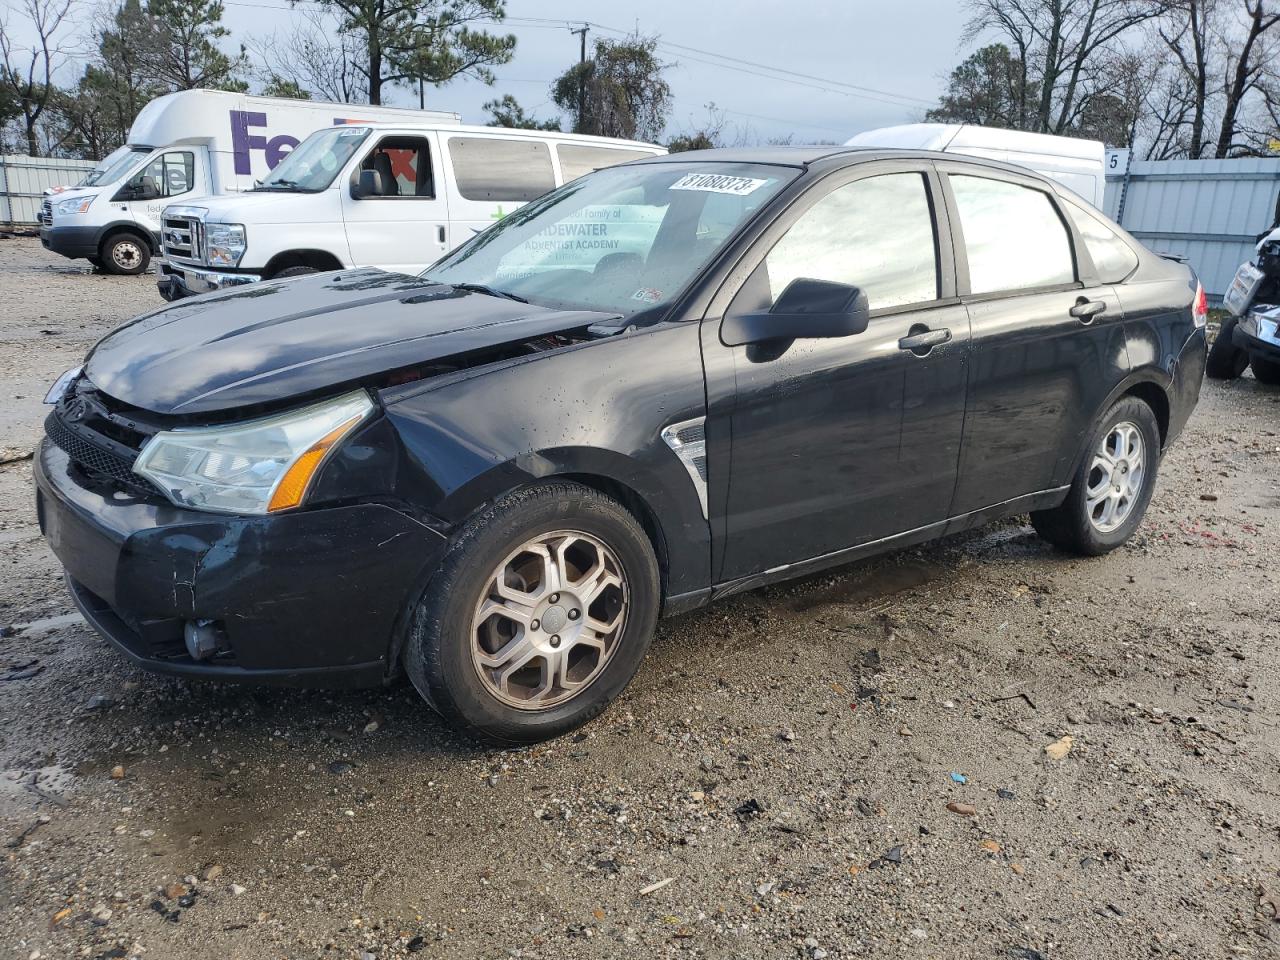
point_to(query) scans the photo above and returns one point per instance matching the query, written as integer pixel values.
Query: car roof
(830, 156)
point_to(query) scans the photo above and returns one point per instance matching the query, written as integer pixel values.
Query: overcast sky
(899, 56)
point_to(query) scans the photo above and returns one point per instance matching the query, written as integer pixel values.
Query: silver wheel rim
(126, 254)
(1116, 476)
(548, 620)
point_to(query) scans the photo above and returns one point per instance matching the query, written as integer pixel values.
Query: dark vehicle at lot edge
(664, 383)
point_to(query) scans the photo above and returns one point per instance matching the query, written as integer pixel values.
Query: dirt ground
(774, 784)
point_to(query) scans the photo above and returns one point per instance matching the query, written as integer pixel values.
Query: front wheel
(538, 617)
(299, 271)
(125, 254)
(1264, 370)
(1112, 486)
(1226, 360)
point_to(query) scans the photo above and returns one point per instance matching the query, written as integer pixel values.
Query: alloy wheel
(1116, 476)
(549, 619)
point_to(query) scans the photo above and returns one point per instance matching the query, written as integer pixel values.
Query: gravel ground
(854, 765)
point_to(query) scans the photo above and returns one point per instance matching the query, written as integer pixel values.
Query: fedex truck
(194, 143)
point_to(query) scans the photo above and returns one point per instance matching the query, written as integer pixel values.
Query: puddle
(22, 789)
(876, 585)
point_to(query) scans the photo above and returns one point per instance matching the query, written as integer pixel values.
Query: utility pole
(582, 76)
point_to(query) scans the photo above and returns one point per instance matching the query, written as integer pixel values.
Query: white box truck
(1073, 162)
(194, 143)
(392, 195)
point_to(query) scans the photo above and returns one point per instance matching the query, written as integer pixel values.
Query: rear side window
(1112, 257)
(1013, 236)
(577, 159)
(876, 234)
(487, 168)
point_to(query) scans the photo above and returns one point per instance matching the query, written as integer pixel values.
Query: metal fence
(23, 181)
(1210, 211)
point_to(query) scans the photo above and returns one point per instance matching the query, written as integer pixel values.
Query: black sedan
(662, 384)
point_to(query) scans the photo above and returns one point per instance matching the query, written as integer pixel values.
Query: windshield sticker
(647, 295)
(719, 183)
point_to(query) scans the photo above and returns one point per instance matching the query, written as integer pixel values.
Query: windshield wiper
(278, 184)
(489, 291)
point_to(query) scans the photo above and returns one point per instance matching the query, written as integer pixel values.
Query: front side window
(620, 240)
(403, 165)
(876, 234)
(577, 159)
(1112, 257)
(168, 175)
(313, 164)
(488, 168)
(1013, 236)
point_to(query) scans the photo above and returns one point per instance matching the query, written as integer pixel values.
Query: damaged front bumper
(311, 597)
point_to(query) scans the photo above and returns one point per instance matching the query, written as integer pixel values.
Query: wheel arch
(319, 259)
(1151, 386)
(126, 226)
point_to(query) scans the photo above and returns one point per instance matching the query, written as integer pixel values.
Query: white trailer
(194, 143)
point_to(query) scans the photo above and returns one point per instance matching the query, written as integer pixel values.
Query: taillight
(1200, 309)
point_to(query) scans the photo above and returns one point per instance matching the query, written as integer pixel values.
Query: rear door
(1048, 337)
(839, 442)
(404, 227)
(491, 176)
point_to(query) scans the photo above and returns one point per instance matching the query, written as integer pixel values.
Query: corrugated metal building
(23, 181)
(1210, 211)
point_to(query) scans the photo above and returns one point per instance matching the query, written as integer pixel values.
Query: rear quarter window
(1112, 257)
(579, 159)
(493, 169)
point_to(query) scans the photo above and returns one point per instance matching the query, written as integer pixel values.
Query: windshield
(621, 240)
(312, 164)
(113, 166)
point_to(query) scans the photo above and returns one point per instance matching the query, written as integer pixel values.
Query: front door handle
(440, 233)
(920, 339)
(1085, 309)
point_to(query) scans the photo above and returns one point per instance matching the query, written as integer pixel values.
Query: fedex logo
(242, 141)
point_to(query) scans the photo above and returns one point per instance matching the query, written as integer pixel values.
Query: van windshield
(312, 164)
(114, 166)
(622, 240)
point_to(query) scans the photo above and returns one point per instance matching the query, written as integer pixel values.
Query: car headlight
(258, 467)
(60, 385)
(224, 244)
(73, 206)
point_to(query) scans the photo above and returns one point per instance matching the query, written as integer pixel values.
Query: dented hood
(269, 342)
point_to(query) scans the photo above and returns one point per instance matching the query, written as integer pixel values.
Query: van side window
(403, 165)
(1013, 235)
(1112, 257)
(876, 234)
(577, 159)
(490, 169)
(169, 174)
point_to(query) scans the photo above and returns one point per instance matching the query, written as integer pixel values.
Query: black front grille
(89, 456)
(100, 436)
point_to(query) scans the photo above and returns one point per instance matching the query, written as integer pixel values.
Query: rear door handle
(920, 339)
(1085, 309)
(440, 232)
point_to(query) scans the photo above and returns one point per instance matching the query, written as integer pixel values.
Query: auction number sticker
(719, 183)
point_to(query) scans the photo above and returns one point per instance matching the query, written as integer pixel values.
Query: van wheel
(1264, 370)
(125, 254)
(297, 271)
(1111, 488)
(1226, 360)
(538, 617)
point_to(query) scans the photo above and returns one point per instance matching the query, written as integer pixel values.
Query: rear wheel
(1264, 370)
(125, 254)
(1112, 487)
(539, 615)
(1226, 360)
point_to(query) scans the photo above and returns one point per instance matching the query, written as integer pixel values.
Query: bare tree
(316, 56)
(26, 72)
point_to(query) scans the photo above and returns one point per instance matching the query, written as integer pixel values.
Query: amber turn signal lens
(293, 485)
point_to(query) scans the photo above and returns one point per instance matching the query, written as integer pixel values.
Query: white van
(1073, 162)
(193, 143)
(395, 196)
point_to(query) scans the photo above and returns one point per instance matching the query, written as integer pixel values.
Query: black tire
(1264, 370)
(1226, 360)
(1069, 526)
(438, 651)
(298, 271)
(95, 262)
(125, 254)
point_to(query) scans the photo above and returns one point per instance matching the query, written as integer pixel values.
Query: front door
(839, 442)
(403, 224)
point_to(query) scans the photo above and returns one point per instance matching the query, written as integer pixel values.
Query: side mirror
(138, 190)
(368, 184)
(807, 309)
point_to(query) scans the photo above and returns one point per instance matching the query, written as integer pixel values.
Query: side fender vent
(688, 441)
